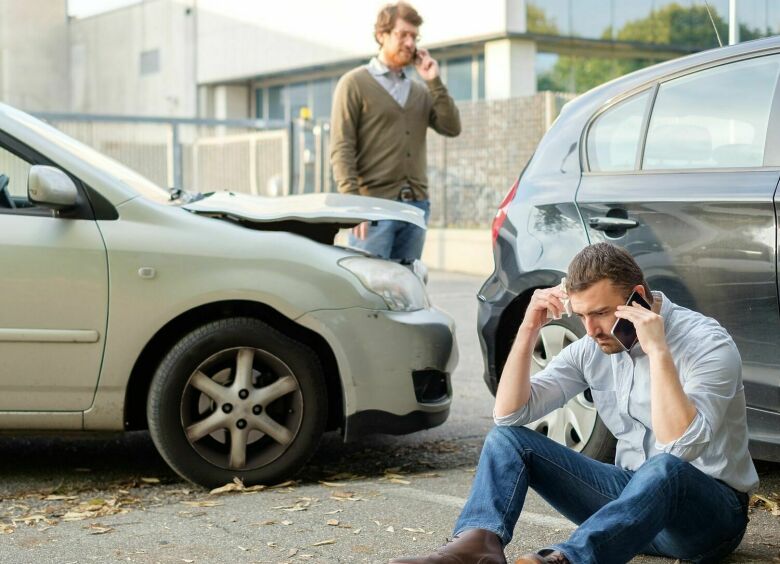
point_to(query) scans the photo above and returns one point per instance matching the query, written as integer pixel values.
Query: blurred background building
(232, 58)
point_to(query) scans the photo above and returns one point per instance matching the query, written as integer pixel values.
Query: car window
(613, 139)
(13, 182)
(715, 118)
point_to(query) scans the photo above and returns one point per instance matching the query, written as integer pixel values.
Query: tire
(237, 398)
(576, 424)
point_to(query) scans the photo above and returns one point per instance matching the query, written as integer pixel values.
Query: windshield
(137, 182)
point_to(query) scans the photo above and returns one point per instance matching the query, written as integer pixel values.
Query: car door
(684, 175)
(53, 296)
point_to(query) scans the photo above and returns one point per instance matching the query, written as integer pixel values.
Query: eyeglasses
(404, 35)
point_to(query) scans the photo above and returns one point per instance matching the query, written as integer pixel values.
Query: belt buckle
(406, 194)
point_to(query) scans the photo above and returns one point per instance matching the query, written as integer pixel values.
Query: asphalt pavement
(76, 499)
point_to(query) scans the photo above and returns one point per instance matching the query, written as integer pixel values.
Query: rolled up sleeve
(551, 388)
(711, 383)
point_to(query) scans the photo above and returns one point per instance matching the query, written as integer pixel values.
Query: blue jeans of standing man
(667, 507)
(392, 239)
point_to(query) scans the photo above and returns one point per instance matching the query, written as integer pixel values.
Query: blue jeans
(392, 239)
(666, 508)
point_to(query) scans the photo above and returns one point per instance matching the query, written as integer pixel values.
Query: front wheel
(237, 398)
(576, 424)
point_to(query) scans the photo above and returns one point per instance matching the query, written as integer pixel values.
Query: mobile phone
(623, 330)
(416, 57)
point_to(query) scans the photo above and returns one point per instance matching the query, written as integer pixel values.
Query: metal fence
(468, 175)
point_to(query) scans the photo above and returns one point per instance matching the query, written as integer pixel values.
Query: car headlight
(401, 289)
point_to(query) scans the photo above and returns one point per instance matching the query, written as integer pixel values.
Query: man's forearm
(514, 386)
(671, 410)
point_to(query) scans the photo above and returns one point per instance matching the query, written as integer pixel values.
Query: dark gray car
(679, 163)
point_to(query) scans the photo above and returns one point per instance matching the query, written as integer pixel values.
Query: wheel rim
(571, 425)
(241, 408)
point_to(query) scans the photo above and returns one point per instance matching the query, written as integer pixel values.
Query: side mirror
(50, 187)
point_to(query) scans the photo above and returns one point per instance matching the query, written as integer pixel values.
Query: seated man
(674, 401)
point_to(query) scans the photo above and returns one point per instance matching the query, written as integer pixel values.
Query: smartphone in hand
(623, 330)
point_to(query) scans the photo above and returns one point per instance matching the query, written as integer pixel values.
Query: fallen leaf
(286, 484)
(286, 522)
(357, 531)
(333, 522)
(271, 544)
(98, 529)
(60, 497)
(414, 530)
(235, 486)
(150, 480)
(292, 552)
(247, 550)
(332, 484)
(329, 541)
(399, 481)
(390, 529)
(333, 512)
(202, 503)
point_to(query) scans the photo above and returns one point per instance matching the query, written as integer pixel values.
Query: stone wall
(470, 174)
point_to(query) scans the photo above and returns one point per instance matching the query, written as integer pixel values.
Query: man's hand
(426, 66)
(649, 327)
(542, 301)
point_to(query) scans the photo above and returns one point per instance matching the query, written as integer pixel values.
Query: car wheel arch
(165, 338)
(511, 317)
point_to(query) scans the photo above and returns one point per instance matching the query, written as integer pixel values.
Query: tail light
(498, 221)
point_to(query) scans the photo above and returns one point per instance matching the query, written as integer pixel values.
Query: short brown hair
(605, 261)
(387, 16)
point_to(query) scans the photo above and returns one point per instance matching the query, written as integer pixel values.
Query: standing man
(378, 127)
(675, 402)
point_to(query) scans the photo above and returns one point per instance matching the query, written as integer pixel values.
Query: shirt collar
(378, 68)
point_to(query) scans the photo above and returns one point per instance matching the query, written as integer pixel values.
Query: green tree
(688, 27)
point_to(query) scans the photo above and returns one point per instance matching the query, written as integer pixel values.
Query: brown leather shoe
(473, 546)
(551, 558)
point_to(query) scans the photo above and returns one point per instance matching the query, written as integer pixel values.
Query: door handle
(612, 223)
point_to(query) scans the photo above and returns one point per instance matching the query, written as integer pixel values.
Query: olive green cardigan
(377, 146)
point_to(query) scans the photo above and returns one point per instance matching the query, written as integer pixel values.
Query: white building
(239, 58)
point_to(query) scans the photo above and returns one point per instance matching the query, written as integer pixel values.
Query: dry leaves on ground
(237, 485)
(771, 503)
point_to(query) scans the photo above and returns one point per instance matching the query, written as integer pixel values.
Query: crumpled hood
(342, 210)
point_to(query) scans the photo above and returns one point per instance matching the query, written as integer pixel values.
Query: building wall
(33, 54)
(268, 37)
(137, 60)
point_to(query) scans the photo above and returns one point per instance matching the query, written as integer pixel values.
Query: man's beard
(400, 58)
(608, 344)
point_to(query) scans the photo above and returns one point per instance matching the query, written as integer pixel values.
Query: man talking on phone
(675, 402)
(379, 124)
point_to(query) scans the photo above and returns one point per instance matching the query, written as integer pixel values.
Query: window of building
(276, 105)
(260, 110)
(459, 78)
(725, 128)
(480, 77)
(613, 139)
(321, 98)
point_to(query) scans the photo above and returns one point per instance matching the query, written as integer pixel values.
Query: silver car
(229, 325)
